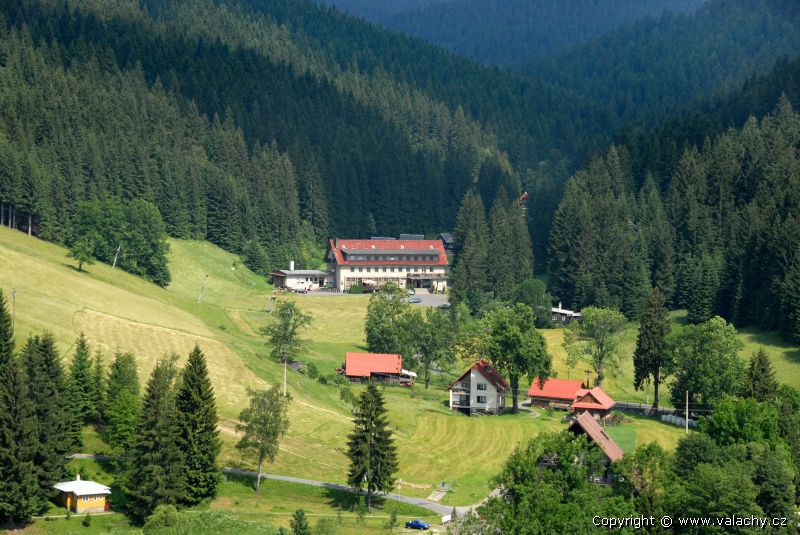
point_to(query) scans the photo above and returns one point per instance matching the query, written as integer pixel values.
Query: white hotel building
(370, 263)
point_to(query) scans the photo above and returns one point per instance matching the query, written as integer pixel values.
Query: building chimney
(559, 305)
(78, 477)
(291, 265)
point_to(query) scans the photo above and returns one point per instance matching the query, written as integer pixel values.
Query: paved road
(432, 300)
(434, 507)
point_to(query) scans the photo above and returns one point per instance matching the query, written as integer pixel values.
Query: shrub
(357, 289)
(87, 521)
(166, 520)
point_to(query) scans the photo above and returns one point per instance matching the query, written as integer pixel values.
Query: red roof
(339, 246)
(589, 425)
(593, 399)
(488, 371)
(560, 389)
(365, 364)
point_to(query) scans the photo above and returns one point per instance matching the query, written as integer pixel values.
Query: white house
(298, 279)
(480, 389)
(408, 263)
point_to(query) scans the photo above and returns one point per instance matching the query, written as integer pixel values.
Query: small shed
(554, 393)
(83, 496)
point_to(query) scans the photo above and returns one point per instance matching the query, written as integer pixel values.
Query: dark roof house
(586, 424)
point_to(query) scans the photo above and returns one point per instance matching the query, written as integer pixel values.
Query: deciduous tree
(595, 339)
(263, 423)
(515, 347)
(283, 335)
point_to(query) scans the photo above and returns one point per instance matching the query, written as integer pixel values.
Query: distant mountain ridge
(509, 33)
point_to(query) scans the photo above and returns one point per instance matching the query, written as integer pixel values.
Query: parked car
(417, 524)
(415, 300)
(444, 306)
(301, 291)
(411, 291)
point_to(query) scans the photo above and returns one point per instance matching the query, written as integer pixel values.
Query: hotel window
(481, 399)
(384, 269)
(416, 270)
(391, 269)
(416, 257)
(360, 269)
(391, 258)
(352, 269)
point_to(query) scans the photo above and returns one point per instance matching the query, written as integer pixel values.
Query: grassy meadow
(118, 311)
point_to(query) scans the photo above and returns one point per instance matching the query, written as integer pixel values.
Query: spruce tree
(157, 462)
(370, 446)
(80, 390)
(651, 357)
(20, 492)
(469, 276)
(199, 438)
(123, 376)
(6, 333)
(45, 379)
(501, 257)
(760, 382)
(299, 523)
(98, 387)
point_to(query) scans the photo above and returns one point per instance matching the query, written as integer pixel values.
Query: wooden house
(596, 402)
(83, 496)
(585, 424)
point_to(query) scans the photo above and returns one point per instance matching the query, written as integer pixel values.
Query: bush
(325, 526)
(87, 521)
(166, 520)
(312, 371)
(357, 289)
(322, 380)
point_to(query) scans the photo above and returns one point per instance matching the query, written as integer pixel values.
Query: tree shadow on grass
(347, 501)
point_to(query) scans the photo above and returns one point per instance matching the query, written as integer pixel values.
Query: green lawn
(119, 311)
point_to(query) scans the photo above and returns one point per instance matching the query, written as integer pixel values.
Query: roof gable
(561, 389)
(365, 364)
(487, 370)
(589, 425)
(595, 398)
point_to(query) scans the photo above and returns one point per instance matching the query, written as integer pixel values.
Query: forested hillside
(509, 33)
(649, 69)
(723, 238)
(377, 10)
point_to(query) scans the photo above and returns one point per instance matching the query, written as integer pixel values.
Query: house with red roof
(383, 367)
(479, 389)
(554, 393)
(595, 401)
(412, 263)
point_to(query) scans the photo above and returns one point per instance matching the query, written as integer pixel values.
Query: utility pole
(202, 289)
(115, 256)
(687, 412)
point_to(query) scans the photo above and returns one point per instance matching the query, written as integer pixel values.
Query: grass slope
(119, 311)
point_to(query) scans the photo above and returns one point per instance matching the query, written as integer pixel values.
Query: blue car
(418, 524)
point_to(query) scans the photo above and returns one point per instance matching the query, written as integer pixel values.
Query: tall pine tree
(80, 390)
(20, 492)
(46, 390)
(760, 382)
(651, 357)
(157, 462)
(370, 447)
(199, 438)
(470, 279)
